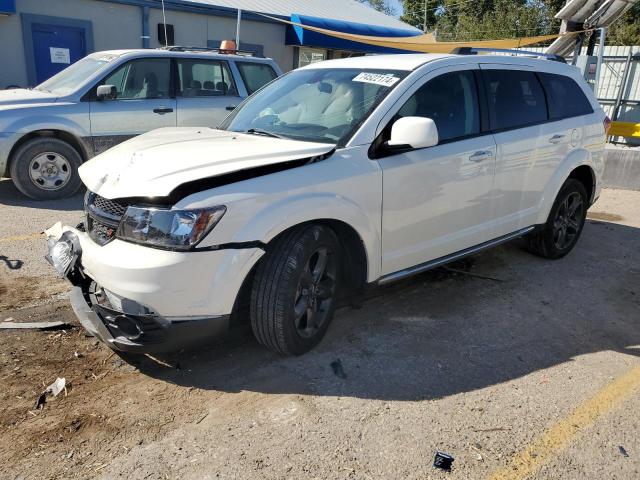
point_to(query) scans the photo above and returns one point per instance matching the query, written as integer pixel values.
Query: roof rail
(528, 53)
(177, 48)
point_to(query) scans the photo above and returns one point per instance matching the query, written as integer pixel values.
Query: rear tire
(294, 290)
(46, 168)
(561, 232)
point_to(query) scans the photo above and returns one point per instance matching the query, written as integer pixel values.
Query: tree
(380, 5)
(626, 31)
(414, 12)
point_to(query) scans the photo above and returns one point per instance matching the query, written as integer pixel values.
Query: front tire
(294, 290)
(561, 232)
(46, 168)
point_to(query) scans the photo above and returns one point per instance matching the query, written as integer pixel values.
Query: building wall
(120, 26)
(192, 29)
(114, 26)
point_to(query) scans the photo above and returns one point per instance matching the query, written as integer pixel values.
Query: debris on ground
(623, 451)
(35, 325)
(54, 389)
(338, 370)
(471, 274)
(443, 461)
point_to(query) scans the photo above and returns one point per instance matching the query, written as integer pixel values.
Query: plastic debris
(443, 461)
(34, 325)
(337, 368)
(54, 389)
(623, 451)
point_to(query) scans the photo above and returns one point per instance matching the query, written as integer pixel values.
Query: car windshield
(317, 105)
(70, 78)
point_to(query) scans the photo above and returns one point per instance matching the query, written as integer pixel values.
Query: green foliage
(484, 19)
(459, 20)
(626, 31)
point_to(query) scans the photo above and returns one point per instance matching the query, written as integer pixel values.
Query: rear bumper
(154, 334)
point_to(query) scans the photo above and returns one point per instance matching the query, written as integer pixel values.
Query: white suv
(340, 174)
(109, 97)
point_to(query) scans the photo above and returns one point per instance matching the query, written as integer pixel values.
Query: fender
(573, 160)
(74, 120)
(271, 220)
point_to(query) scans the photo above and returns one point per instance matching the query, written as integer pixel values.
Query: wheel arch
(578, 165)
(80, 145)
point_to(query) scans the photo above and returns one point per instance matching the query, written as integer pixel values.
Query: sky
(395, 4)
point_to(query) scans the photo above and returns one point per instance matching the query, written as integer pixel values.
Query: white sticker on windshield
(376, 78)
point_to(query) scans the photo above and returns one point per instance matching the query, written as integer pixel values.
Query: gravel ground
(534, 374)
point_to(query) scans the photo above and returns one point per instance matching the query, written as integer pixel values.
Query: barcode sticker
(376, 78)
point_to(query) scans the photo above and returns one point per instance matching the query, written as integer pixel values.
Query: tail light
(607, 124)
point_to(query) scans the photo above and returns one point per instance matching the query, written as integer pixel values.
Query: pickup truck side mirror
(414, 132)
(106, 92)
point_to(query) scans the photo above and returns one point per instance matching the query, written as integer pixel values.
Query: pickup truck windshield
(69, 79)
(317, 105)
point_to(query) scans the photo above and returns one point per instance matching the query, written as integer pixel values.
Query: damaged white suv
(337, 175)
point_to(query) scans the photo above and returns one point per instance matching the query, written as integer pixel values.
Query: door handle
(480, 156)
(231, 107)
(557, 138)
(162, 110)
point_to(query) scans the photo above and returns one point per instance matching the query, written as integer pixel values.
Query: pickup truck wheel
(294, 290)
(560, 233)
(46, 168)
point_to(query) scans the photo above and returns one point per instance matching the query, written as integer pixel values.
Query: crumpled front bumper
(155, 333)
(140, 299)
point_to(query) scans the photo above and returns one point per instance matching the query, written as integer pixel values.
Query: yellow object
(526, 463)
(624, 129)
(426, 42)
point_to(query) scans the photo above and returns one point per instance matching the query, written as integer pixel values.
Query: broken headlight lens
(173, 229)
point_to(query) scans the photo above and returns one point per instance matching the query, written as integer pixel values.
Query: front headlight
(174, 229)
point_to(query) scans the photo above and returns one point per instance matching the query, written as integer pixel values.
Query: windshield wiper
(266, 133)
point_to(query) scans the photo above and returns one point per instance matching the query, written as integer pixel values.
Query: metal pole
(238, 29)
(603, 32)
(623, 87)
(424, 25)
(164, 23)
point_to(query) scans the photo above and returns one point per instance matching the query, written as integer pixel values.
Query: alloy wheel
(49, 171)
(568, 220)
(315, 293)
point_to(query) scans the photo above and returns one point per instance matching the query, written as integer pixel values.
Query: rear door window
(566, 98)
(515, 98)
(204, 78)
(255, 75)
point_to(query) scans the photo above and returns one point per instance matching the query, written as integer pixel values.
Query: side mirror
(106, 92)
(415, 132)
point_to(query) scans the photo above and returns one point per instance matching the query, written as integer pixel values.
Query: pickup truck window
(204, 78)
(315, 105)
(255, 75)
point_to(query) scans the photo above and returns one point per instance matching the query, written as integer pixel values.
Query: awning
(298, 34)
(412, 43)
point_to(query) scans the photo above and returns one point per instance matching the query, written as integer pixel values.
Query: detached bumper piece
(146, 333)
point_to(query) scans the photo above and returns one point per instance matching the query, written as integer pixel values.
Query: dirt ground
(531, 372)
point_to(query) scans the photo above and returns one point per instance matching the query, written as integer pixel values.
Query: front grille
(103, 217)
(113, 207)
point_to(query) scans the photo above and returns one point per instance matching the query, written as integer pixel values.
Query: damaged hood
(155, 163)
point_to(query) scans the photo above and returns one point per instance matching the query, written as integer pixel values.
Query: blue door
(56, 47)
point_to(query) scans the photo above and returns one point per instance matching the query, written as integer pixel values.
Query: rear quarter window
(566, 98)
(255, 75)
